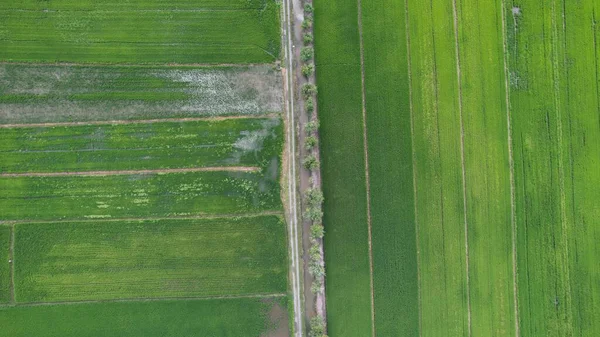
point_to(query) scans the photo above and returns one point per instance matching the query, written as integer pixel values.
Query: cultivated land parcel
(461, 166)
(140, 169)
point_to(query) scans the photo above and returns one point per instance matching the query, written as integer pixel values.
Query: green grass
(4, 264)
(108, 34)
(487, 168)
(343, 167)
(235, 142)
(145, 195)
(74, 261)
(190, 318)
(390, 168)
(438, 169)
(57, 93)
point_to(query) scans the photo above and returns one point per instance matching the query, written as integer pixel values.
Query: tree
(314, 214)
(314, 197)
(309, 105)
(308, 8)
(309, 89)
(317, 327)
(317, 231)
(307, 38)
(308, 69)
(312, 126)
(307, 23)
(310, 142)
(306, 53)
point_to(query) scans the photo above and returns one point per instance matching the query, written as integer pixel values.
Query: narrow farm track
(39, 304)
(414, 165)
(216, 216)
(287, 25)
(140, 121)
(512, 171)
(462, 157)
(128, 172)
(366, 151)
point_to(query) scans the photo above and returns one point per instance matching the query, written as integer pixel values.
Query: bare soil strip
(11, 257)
(128, 172)
(462, 156)
(139, 121)
(211, 216)
(414, 163)
(149, 65)
(39, 304)
(366, 149)
(512, 173)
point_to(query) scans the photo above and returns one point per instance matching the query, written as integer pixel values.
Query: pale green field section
(73, 261)
(438, 169)
(140, 32)
(191, 318)
(139, 195)
(59, 93)
(487, 168)
(163, 145)
(4, 264)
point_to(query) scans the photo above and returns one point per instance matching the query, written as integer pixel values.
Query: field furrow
(161, 145)
(438, 169)
(487, 169)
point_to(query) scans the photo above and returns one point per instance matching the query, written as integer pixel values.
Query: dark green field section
(190, 318)
(4, 264)
(343, 169)
(72, 261)
(89, 33)
(164, 145)
(389, 146)
(65, 93)
(139, 195)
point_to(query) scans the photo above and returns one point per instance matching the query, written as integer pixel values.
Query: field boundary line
(366, 152)
(414, 163)
(129, 172)
(462, 157)
(198, 217)
(133, 65)
(133, 300)
(11, 270)
(138, 121)
(511, 162)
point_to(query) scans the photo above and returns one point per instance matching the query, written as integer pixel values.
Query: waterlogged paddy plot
(59, 93)
(502, 144)
(140, 31)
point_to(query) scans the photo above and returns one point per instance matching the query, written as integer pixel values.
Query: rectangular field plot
(134, 4)
(59, 93)
(162, 145)
(139, 195)
(72, 261)
(189, 318)
(88, 33)
(4, 264)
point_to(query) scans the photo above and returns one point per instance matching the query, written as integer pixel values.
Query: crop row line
(129, 172)
(139, 121)
(212, 216)
(121, 10)
(135, 65)
(11, 258)
(130, 300)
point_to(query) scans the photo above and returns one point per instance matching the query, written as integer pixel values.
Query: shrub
(316, 269)
(310, 142)
(315, 287)
(308, 8)
(311, 162)
(310, 105)
(317, 327)
(315, 253)
(308, 38)
(306, 53)
(312, 126)
(317, 231)
(309, 89)
(308, 69)
(314, 214)
(314, 197)
(307, 23)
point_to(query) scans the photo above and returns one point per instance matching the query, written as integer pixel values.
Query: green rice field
(482, 140)
(140, 32)
(141, 146)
